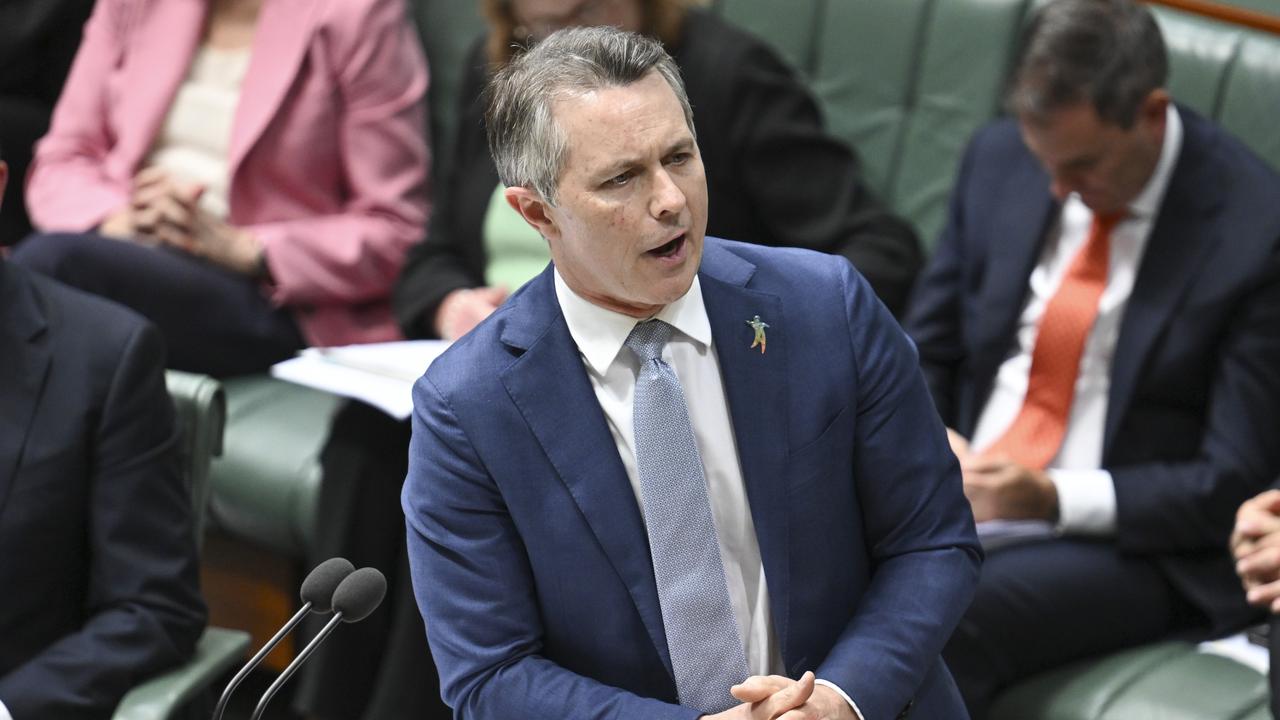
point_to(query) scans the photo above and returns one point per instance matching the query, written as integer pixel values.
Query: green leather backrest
(964, 54)
(907, 82)
(447, 28)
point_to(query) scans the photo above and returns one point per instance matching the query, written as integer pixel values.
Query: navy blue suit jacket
(528, 549)
(97, 547)
(1193, 414)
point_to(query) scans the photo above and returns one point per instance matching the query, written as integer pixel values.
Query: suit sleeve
(68, 188)
(475, 589)
(934, 317)
(354, 256)
(1186, 506)
(919, 529)
(444, 260)
(144, 611)
(808, 186)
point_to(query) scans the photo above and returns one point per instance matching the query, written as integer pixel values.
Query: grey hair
(1106, 52)
(529, 148)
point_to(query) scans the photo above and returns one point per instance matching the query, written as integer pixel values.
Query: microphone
(357, 595)
(317, 596)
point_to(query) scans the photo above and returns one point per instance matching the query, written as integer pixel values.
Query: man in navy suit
(97, 551)
(1100, 328)
(754, 514)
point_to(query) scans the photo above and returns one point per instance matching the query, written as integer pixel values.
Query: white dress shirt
(4, 712)
(600, 335)
(1086, 493)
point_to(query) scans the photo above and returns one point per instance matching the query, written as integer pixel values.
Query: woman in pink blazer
(318, 156)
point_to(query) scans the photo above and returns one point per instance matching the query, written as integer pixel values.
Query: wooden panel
(252, 589)
(1236, 15)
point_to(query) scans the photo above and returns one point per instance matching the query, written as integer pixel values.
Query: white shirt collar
(1147, 203)
(600, 333)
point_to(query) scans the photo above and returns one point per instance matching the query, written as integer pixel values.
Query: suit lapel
(1017, 237)
(24, 365)
(279, 48)
(1182, 235)
(755, 386)
(163, 46)
(549, 385)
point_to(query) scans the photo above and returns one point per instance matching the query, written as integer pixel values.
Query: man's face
(540, 18)
(627, 232)
(1106, 164)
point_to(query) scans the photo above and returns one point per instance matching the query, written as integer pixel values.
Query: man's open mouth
(670, 248)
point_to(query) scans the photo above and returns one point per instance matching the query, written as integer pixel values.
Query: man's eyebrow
(684, 144)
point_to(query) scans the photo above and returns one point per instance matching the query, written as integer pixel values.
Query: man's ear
(534, 209)
(1154, 108)
(4, 177)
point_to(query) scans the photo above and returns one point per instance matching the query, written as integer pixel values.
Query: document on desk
(380, 374)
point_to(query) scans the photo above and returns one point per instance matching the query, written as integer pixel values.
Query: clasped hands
(772, 697)
(1255, 545)
(164, 211)
(1000, 489)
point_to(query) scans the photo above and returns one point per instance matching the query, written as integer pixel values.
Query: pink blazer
(328, 153)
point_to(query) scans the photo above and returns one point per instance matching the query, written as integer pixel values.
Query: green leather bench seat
(907, 82)
(1164, 681)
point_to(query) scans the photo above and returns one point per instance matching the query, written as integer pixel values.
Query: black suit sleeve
(934, 318)
(143, 612)
(1190, 505)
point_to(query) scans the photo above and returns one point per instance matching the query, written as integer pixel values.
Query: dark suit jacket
(1193, 414)
(529, 554)
(774, 176)
(99, 561)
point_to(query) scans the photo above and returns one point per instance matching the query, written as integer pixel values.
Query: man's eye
(680, 158)
(619, 180)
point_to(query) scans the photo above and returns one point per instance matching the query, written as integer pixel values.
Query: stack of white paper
(381, 374)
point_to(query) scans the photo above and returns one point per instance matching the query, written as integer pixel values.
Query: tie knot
(1106, 222)
(648, 338)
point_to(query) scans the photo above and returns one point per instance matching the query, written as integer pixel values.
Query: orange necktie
(1037, 432)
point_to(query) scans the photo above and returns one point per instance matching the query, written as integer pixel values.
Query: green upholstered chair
(201, 411)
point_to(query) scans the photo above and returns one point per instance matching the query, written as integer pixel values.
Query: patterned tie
(702, 635)
(1037, 432)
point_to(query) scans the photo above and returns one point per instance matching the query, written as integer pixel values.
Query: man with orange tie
(1100, 328)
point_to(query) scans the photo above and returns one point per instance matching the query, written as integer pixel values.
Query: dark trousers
(381, 667)
(214, 321)
(1043, 604)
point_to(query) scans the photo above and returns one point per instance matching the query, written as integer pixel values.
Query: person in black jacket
(98, 546)
(775, 176)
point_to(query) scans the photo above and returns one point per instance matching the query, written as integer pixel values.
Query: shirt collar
(600, 333)
(1147, 203)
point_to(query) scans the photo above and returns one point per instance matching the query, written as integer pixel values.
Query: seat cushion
(1164, 681)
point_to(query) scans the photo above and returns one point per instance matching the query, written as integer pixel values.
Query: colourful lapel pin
(758, 325)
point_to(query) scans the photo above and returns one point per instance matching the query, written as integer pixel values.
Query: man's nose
(667, 198)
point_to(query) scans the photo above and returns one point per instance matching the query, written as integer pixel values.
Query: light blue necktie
(702, 634)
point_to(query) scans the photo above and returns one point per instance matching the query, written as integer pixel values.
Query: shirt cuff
(1086, 501)
(829, 684)
(4, 711)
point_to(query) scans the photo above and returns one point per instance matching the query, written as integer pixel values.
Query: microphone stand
(297, 663)
(257, 658)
